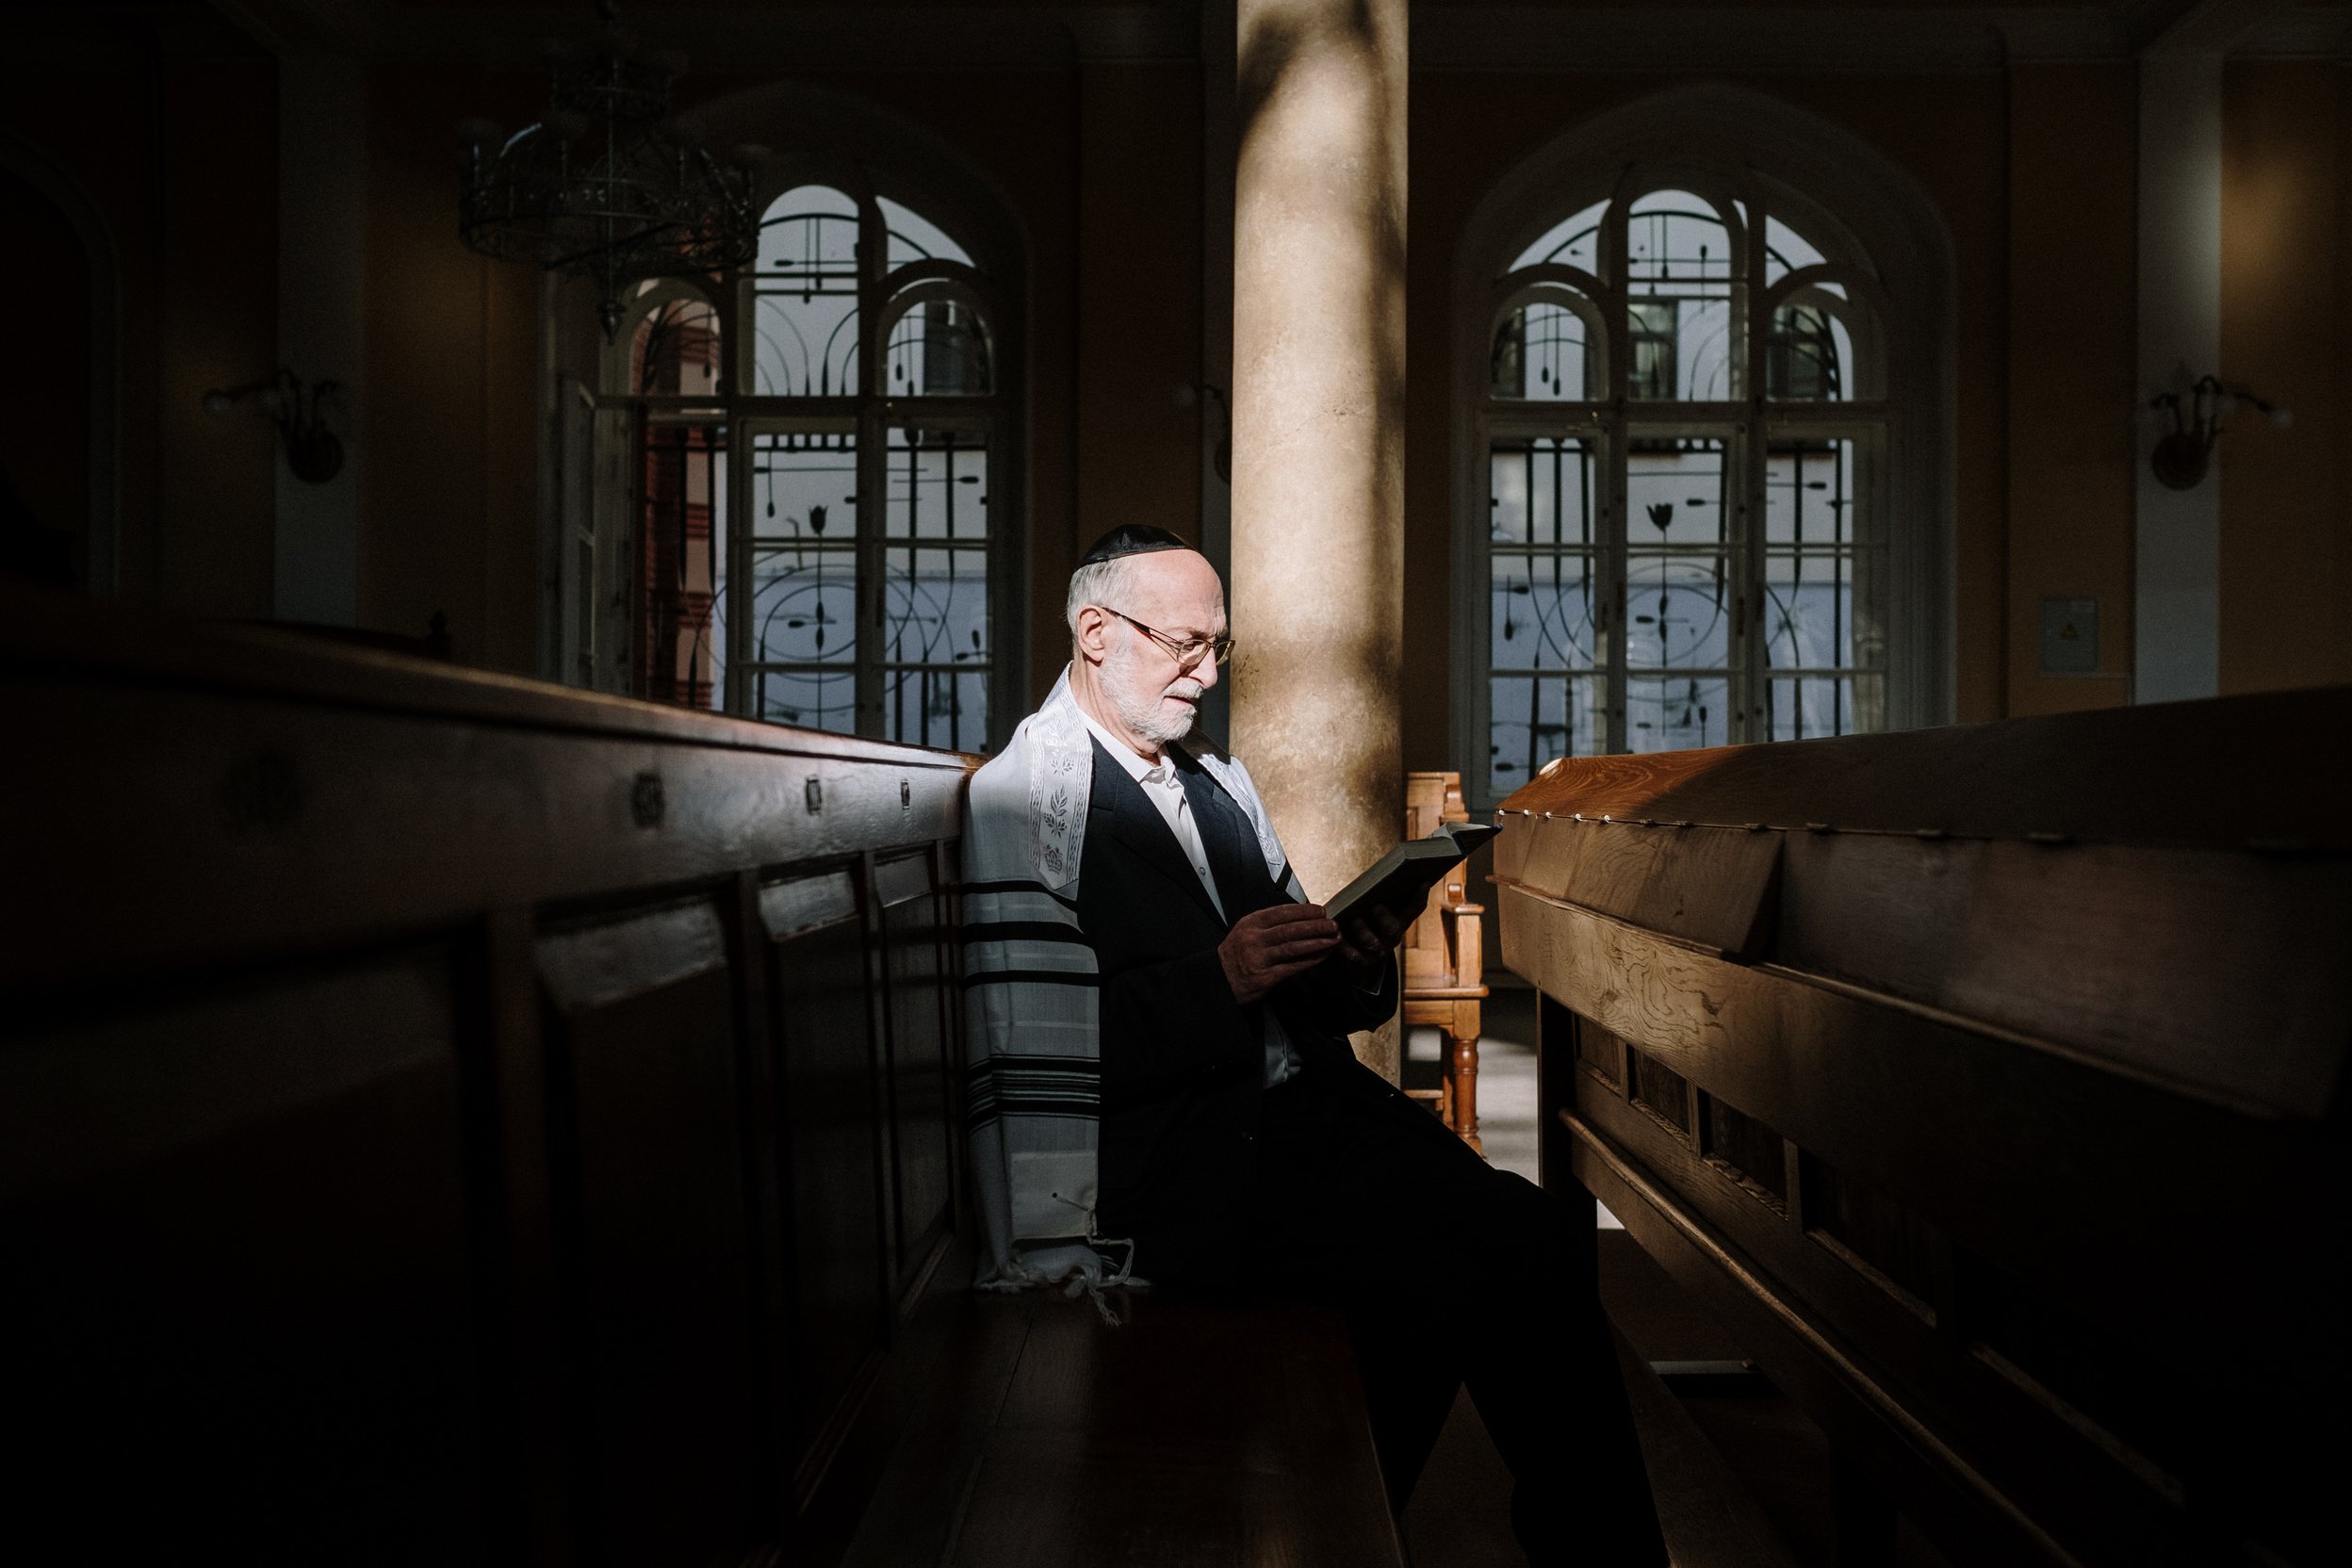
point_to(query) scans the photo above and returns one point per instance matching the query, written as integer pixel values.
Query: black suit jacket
(1184, 1064)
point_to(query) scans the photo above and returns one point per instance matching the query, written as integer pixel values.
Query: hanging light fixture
(606, 186)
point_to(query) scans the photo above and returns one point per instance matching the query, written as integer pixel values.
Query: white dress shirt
(1166, 791)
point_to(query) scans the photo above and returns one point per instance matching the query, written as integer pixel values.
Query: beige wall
(2073, 377)
(2286, 510)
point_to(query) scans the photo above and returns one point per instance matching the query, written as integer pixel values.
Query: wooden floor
(1034, 1450)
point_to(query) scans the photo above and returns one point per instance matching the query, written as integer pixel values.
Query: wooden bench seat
(1191, 1435)
(1709, 1517)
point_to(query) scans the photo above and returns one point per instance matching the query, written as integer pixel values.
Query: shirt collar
(1125, 755)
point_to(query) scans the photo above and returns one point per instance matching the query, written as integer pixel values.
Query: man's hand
(1368, 938)
(1268, 947)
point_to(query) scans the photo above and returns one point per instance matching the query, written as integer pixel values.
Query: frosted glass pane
(915, 238)
(1540, 613)
(1573, 241)
(1676, 712)
(1541, 493)
(1786, 250)
(1533, 719)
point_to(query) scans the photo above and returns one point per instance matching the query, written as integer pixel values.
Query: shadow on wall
(45, 416)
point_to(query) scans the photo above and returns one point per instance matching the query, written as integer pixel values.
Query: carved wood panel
(653, 1239)
(235, 1216)
(833, 1156)
(913, 936)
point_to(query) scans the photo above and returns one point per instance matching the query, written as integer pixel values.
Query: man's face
(1177, 593)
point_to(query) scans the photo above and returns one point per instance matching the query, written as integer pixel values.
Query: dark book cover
(1401, 879)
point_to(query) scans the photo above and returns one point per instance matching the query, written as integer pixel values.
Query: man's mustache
(1188, 690)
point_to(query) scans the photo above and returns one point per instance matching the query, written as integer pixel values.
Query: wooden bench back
(1431, 800)
(448, 1116)
(1990, 1082)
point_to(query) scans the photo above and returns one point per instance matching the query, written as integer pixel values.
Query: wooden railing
(447, 1118)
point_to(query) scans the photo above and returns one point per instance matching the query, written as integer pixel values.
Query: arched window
(1679, 447)
(810, 536)
(662, 376)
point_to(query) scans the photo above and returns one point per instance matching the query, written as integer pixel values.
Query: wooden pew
(449, 1118)
(1987, 1083)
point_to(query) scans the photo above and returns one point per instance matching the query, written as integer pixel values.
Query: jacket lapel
(1117, 801)
(1231, 842)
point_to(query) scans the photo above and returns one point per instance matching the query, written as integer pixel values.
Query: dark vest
(1182, 1064)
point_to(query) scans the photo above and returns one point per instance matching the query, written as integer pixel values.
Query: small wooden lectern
(1445, 979)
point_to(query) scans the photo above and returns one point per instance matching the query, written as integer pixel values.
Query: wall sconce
(2198, 418)
(312, 453)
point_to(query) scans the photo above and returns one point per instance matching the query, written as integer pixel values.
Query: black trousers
(1450, 1272)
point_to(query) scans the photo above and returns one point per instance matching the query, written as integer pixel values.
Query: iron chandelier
(606, 186)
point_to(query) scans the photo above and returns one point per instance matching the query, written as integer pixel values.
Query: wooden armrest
(1464, 945)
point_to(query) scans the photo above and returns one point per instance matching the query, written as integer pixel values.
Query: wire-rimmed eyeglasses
(1187, 652)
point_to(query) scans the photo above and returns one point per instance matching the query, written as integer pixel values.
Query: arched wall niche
(101, 563)
(823, 136)
(1707, 138)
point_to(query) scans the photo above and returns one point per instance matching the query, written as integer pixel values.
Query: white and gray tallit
(1033, 1077)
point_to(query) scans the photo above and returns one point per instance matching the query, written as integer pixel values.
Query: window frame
(884, 294)
(1881, 412)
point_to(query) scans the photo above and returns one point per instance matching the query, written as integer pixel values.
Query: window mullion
(1749, 674)
(873, 491)
(1614, 272)
(737, 590)
(732, 303)
(1615, 733)
(872, 509)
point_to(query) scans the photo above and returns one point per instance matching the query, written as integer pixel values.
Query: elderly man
(1161, 1087)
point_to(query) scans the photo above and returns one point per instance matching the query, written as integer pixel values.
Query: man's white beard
(1140, 709)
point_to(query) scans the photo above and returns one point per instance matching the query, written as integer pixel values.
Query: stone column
(1318, 431)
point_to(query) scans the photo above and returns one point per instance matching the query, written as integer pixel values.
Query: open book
(1401, 879)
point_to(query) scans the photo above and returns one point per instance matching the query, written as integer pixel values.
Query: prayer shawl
(1033, 1077)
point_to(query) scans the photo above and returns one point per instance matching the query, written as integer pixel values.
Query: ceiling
(1456, 35)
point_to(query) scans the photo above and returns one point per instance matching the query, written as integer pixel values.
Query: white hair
(1098, 583)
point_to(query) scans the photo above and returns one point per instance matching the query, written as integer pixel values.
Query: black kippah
(1133, 539)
